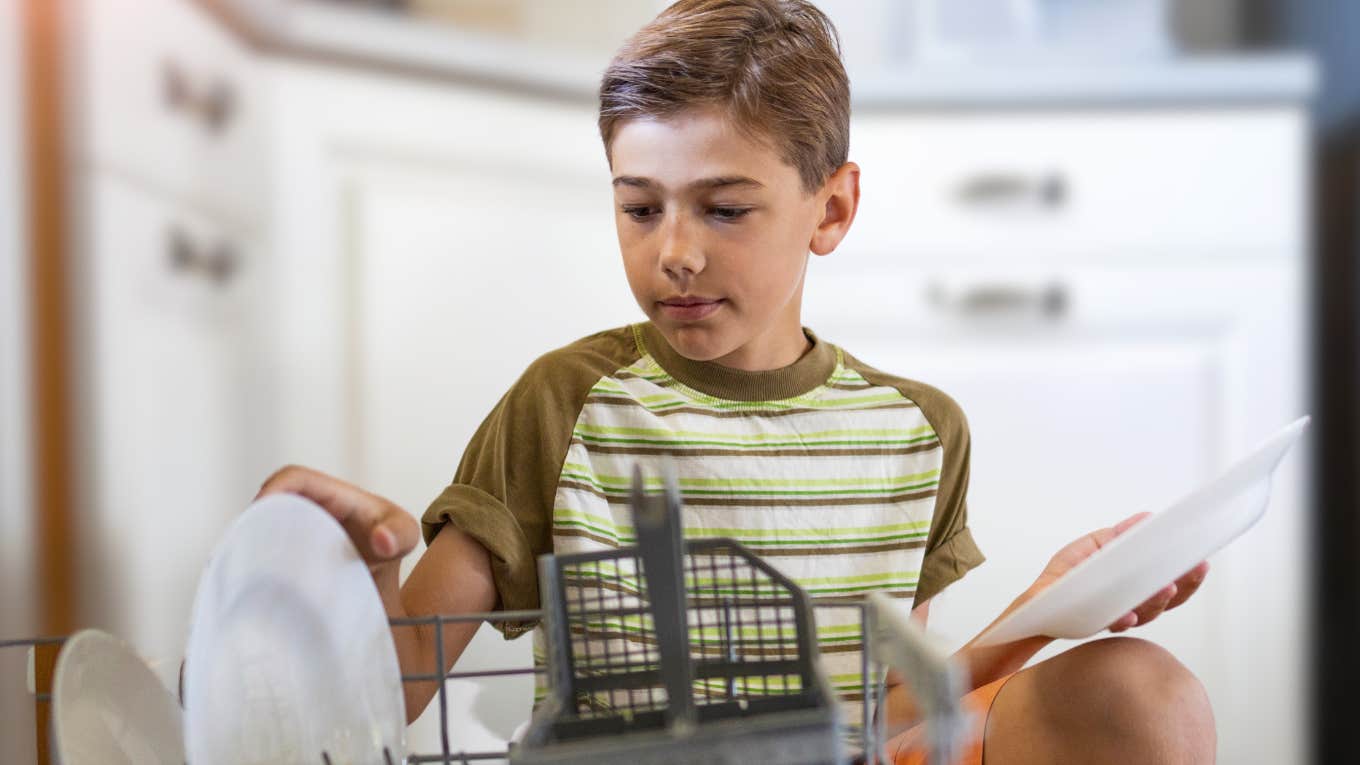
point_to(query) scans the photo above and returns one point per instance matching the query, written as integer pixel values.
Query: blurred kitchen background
(236, 234)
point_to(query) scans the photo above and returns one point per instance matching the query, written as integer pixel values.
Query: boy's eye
(729, 213)
(639, 212)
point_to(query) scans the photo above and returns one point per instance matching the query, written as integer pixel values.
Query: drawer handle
(998, 189)
(218, 264)
(1050, 301)
(212, 105)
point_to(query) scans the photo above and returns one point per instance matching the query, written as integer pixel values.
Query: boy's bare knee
(1142, 696)
(1112, 700)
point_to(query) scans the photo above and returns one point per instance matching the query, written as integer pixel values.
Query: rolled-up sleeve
(487, 520)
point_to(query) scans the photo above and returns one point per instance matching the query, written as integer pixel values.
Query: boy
(725, 124)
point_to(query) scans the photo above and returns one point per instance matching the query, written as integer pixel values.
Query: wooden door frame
(51, 395)
(52, 483)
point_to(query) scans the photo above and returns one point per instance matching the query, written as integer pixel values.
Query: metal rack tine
(661, 547)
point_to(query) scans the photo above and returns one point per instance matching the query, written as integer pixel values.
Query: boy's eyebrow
(721, 181)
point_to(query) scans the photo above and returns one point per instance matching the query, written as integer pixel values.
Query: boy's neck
(812, 366)
(768, 353)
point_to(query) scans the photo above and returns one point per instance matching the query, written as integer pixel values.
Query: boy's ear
(841, 192)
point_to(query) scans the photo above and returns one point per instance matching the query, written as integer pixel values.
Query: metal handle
(1000, 188)
(212, 105)
(218, 263)
(1050, 301)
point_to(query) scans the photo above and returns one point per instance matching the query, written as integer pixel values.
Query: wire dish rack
(672, 652)
(858, 734)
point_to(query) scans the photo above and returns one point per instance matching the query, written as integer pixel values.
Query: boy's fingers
(380, 529)
(1129, 522)
(1102, 537)
(1124, 622)
(342, 500)
(1188, 584)
(1155, 605)
(395, 535)
(384, 542)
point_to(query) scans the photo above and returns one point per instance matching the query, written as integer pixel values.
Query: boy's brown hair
(773, 66)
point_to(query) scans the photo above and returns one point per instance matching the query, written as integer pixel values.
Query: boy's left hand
(1167, 598)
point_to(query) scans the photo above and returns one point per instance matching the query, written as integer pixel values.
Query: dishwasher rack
(714, 657)
(865, 733)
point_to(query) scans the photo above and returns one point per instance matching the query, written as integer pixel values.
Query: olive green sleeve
(502, 493)
(950, 549)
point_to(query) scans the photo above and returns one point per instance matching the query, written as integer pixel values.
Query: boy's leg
(1109, 701)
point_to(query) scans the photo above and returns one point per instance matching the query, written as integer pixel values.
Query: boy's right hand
(383, 532)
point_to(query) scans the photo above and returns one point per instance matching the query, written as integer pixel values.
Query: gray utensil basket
(678, 652)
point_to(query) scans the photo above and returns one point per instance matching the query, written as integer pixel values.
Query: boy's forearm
(412, 645)
(452, 577)
(986, 664)
(388, 582)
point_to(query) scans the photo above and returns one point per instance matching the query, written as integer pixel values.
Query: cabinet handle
(222, 262)
(212, 105)
(993, 189)
(1050, 301)
(218, 264)
(217, 105)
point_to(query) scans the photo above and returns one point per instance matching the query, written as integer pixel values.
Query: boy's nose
(680, 257)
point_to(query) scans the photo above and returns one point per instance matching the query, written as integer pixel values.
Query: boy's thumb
(390, 540)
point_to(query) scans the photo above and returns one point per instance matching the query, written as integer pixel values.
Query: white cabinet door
(1142, 385)
(498, 215)
(462, 279)
(168, 406)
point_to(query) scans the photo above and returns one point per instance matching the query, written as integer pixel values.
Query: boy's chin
(696, 343)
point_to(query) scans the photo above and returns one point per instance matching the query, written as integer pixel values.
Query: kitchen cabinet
(1118, 303)
(168, 228)
(170, 404)
(1095, 183)
(171, 99)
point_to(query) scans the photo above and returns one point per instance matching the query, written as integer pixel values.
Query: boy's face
(715, 230)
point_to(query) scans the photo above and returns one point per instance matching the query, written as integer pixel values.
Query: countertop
(390, 42)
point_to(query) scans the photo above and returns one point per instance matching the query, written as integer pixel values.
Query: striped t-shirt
(846, 479)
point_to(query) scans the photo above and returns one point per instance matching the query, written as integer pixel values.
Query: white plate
(290, 654)
(1152, 554)
(108, 707)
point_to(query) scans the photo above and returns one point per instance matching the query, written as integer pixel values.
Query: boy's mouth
(689, 308)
